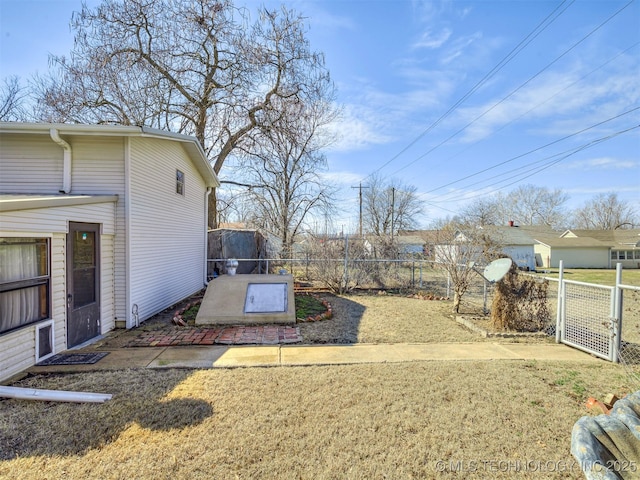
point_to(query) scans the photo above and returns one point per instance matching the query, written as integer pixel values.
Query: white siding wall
(56, 219)
(545, 254)
(30, 164)
(523, 255)
(17, 348)
(167, 229)
(99, 168)
(580, 257)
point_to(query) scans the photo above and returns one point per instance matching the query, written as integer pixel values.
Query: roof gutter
(66, 165)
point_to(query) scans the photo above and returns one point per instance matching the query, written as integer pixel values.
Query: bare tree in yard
(484, 211)
(606, 212)
(458, 248)
(12, 99)
(389, 206)
(197, 67)
(525, 205)
(282, 166)
(532, 205)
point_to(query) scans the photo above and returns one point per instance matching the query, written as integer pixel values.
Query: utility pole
(360, 187)
(393, 207)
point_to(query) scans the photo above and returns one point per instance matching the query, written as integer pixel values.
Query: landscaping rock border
(487, 334)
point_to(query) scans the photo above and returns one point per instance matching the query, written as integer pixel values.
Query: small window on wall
(179, 182)
(25, 282)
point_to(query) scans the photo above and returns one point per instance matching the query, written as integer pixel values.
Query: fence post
(346, 262)
(484, 296)
(559, 325)
(448, 285)
(616, 321)
(420, 274)
(413, 274)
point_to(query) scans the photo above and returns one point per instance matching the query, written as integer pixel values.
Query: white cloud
(459, 46)
(603, 163)
(357, 129)
(432, 40)
(341, 178)
(556, 103)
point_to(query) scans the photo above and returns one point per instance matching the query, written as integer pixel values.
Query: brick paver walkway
(232, 335)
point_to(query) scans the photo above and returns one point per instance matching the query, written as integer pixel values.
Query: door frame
(96, 229)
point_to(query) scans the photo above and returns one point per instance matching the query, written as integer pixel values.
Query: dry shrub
(520, 303)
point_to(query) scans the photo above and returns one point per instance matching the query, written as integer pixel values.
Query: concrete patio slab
(188, 357)
(549, 352)
(260, 356)
(221, 356)
(116, 360)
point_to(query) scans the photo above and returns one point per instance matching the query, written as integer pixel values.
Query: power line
(545, 166)
(546, 100)
(512, 54)
(513, 92)
(533, 151)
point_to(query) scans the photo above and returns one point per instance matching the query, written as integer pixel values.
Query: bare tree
(458, 248)
(389, 206)
(532, 205)
(606, 212)
(192, 66)
(484, 211)
(12, 99)
(282, 166)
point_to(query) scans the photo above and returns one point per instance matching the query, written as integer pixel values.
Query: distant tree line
(533, 205)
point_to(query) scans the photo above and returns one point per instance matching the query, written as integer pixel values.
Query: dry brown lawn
(484, 419)
(392, 319)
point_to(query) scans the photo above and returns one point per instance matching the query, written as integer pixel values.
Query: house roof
(410, 240)
(190, 144)
(614, 238)
(570, 242)
(13, 202)
(505, 235)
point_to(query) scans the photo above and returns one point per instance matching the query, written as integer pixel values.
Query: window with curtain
(24, 282)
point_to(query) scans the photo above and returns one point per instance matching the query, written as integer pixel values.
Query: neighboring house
(624, 244)
(413, 245)
(574, 252)
(100, 227)
(515, 242)
(510, 240)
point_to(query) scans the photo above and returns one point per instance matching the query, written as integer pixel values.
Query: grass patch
(600, 276)
(190, 314)
(308, 305)
(350, 421)
(305, 305)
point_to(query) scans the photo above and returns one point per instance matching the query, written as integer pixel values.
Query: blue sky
(435, 92)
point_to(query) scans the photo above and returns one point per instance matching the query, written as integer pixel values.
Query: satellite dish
(496, 270)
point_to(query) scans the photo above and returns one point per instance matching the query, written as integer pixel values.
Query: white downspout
(66, 165)
(52, 395)
(206, 235)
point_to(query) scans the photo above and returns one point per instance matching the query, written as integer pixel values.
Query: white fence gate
(590, 316)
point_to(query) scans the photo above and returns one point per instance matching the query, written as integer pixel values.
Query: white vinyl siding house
(169, 222)
(18, 347)
(120, 182)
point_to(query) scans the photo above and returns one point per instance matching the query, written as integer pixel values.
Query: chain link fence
(428, 278)
(629, 351)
